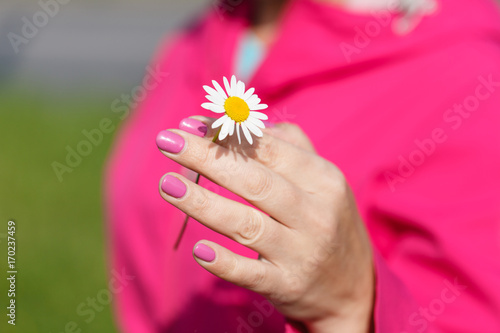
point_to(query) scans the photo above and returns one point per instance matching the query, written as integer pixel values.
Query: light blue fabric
(249, 55)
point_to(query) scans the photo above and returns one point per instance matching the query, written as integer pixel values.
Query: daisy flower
(239, 107)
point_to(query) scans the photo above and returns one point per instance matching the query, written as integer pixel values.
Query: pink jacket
(414, 123)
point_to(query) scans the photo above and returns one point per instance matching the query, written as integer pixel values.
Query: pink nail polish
(173, 186)
(169, 142)
(193, 126)
(204, 252)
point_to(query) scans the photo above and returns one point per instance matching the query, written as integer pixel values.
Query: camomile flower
(239, 107)
(240, 110)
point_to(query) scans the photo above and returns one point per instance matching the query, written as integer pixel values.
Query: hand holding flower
(315, 261)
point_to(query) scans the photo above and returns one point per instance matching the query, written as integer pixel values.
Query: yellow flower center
(237, 109)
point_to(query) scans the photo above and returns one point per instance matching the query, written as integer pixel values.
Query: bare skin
(315, 262)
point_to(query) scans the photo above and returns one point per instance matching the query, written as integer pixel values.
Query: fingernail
(169, 141)
(204, 252)
(173, 186)
(193, 126)
(269, 124)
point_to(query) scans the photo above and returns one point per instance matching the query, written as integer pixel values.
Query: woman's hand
(315, 262)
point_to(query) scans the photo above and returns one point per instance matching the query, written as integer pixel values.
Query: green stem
(186, 219)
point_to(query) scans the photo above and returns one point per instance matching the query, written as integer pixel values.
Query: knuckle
(296, 130)
(258, 185)
(342, 185)
(291, 127)
(250, 228)
(276, 298)
(268, 153)
(311, 264)
(295, 133)
(294, 287)
(335, 180)
(292, 196)
(223, 176)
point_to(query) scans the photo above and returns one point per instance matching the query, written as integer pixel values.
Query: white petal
(231, 128)
(219, 89)
(216, 100)
(224, 129)
(207, 105)
(213, 107)
(238, 132)
(226, 84)
(256, 122)
(258, 107)
(258, 115)
(240, 89)
(211, 91)
(219, 121)
(247, 133)
(248, 94)
(254, 129)
(233, 85)
(252, 101)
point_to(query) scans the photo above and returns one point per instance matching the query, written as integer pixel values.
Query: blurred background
(61, 68)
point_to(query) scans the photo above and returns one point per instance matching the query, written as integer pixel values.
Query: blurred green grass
(61, 238)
